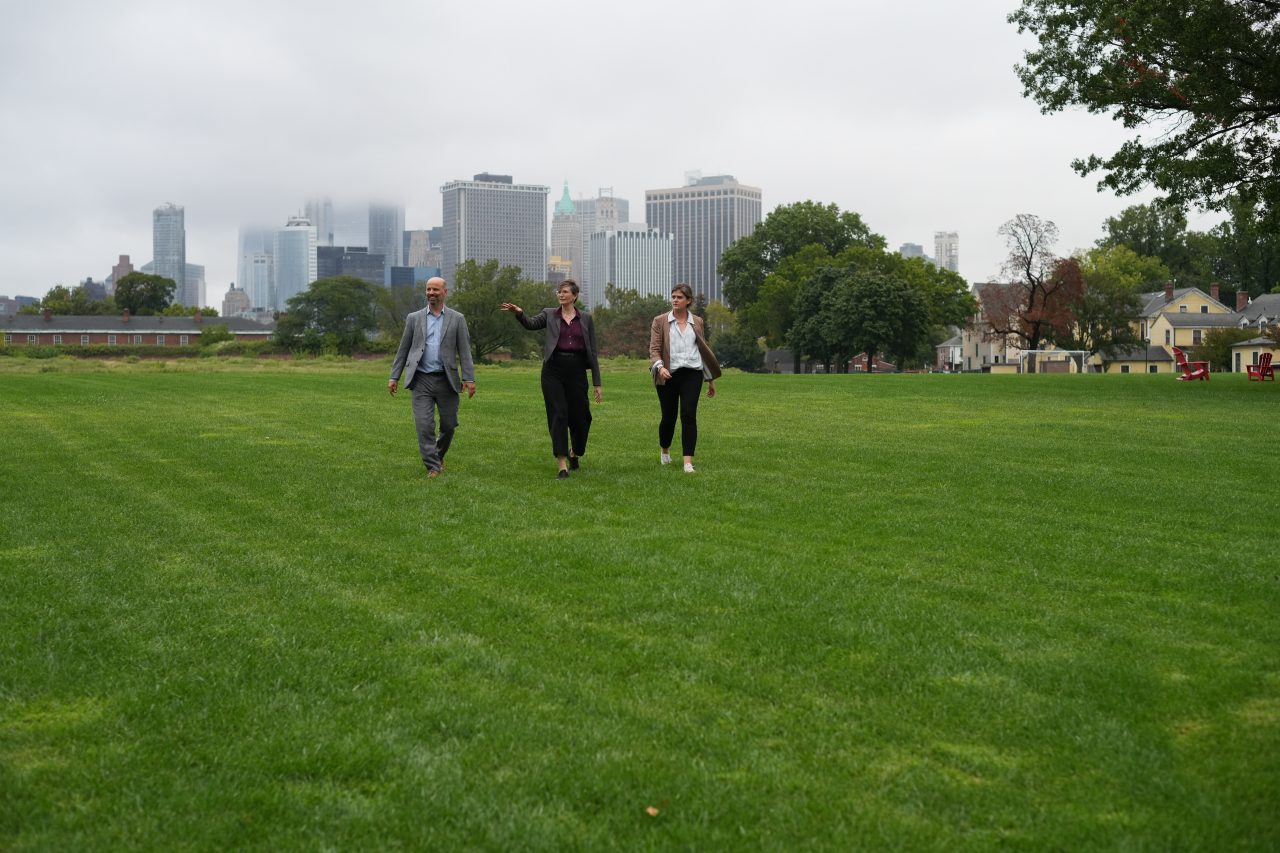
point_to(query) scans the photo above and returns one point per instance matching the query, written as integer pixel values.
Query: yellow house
(1250, 352)
(1188, 330)
(1183, 300)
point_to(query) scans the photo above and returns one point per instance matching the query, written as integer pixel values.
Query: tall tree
(1246, 250)
(144, 293)
(876, 313)
(810, 333)
(478, 290)
(785, 232)
(1105, 308)
(333, 314)
(1156, 230)
(1034, 303)
(1204, 73)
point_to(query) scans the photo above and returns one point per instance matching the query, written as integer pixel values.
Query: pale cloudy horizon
(908, 113)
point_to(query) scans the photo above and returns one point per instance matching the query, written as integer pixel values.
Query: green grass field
(893, 612)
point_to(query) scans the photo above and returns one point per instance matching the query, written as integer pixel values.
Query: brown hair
(685, 289)
(569, 283)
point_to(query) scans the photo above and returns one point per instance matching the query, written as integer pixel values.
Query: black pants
(564, 390)
(679, 395)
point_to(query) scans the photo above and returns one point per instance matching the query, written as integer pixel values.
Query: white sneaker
(665, 458)
(688, 467)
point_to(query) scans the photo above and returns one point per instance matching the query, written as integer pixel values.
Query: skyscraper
(595, 214)
(566, 236)
(705, 217)
(351, 225)
(236, 302)
(320, 211)
(254, 252)
(946, 250)
(492, 218)
(386, 234)
(169, 250)
(295, 260)
(258, 279)
(630, 257)
(119, 271)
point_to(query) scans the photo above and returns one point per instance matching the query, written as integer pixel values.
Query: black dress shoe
(562, 474)
(573, 463)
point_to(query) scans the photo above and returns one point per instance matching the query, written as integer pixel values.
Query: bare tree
(1033, 305)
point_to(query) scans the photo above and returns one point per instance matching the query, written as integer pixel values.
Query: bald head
(437, 290)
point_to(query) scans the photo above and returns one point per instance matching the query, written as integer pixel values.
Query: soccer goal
(1055, 360)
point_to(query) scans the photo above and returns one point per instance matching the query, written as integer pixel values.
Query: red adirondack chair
(1262, 370)
(1190, 369)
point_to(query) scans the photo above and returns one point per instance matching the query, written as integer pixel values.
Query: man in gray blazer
(434, 342)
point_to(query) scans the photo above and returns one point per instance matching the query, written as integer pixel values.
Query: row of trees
(816, 279)
(139, 293)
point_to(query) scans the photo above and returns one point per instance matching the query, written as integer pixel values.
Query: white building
(601, 213)
(630, 257)
(169, 250)
(295, 260)
(705, 217)
(946, 250)
(493, 218)
(258, 280)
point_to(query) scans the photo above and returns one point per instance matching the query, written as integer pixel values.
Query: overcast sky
(908, 113)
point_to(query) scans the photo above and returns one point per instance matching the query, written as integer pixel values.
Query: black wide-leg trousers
(564, 391)
(679, 396)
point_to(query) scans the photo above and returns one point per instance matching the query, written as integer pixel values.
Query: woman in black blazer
(568, 350)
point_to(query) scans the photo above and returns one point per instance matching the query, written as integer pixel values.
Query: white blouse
(684, 345)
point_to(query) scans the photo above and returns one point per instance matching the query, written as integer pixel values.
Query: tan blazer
(660, 347)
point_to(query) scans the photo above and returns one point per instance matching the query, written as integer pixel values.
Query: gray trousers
(432, 391)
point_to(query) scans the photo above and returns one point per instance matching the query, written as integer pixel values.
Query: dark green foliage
(842, 312)
(623, 326)
(176, 310)
(1205, 73)
(143, 293)
(1246, 250)
(478, 291)
(1241, 253)
(740, 349)
(70, 302)
(333, 315)
(786, 231)
(215, 334)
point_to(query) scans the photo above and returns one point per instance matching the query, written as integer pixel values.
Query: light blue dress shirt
(431, 362)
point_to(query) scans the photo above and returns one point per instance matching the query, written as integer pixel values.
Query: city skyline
(837, 106)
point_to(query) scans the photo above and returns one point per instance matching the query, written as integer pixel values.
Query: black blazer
(549, 319)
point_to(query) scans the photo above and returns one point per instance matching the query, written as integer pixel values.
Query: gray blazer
(549, 319)
(455, 346)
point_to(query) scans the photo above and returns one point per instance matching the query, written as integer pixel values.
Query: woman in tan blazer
(680, 359)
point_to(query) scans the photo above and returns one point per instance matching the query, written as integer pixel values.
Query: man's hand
(471, 389)
(597, 393)
(392, 386)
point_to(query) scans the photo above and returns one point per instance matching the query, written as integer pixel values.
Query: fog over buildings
(914, 121)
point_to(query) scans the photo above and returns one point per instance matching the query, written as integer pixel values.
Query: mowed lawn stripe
(887, 611)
